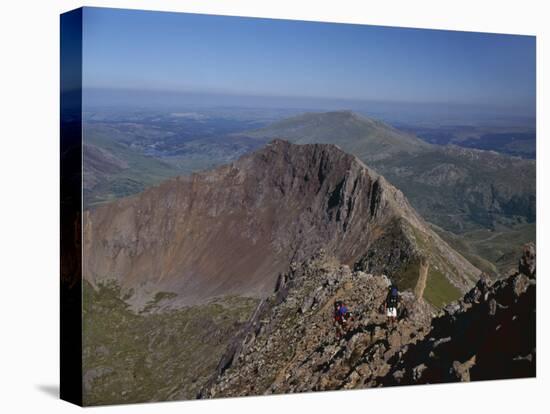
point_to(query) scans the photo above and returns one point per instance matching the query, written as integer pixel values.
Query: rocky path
(293, 346)
(422, 279)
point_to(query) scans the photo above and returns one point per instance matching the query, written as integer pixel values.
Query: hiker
(342, 316)
(392, 301)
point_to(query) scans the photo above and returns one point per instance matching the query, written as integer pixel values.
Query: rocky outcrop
(528, 262)
(292, 345)
(234, 229)
(489, 334)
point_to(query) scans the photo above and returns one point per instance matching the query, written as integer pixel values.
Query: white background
(29, 210)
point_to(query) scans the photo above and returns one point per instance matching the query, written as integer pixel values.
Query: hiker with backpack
(342, 316)
(390, 306)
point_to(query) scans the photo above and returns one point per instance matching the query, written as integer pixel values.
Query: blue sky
(200, 53)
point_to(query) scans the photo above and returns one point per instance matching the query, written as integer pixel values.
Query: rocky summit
(454, 187)
(292, 344)
(481, 202)
(234, 229)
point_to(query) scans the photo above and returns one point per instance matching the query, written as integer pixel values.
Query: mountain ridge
(401, 157)
(292, 345)
(345, 128)
(268, 209)
(460, 190)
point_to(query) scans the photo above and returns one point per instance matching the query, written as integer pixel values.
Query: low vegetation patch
(166, 355)
(439, 291)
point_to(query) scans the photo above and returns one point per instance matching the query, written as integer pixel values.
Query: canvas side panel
(71, 206)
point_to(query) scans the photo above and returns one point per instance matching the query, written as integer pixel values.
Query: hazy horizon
(389, 111)
(292, 62)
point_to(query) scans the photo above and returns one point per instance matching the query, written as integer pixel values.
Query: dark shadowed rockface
(489, 334)
(234, 229)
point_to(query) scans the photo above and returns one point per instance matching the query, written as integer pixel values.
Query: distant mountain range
(453, 187)
(513, 138)
(114, 169)
(366, 138)
(125, 156)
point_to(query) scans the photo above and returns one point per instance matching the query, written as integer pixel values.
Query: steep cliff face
(292, 344)
(234, 229)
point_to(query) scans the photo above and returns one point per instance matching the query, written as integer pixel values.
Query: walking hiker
(342, 316)
(390, 306)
